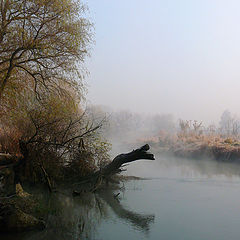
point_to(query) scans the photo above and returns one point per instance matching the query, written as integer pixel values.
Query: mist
(166, 57)
(182, 148)
(119, 119)
(167, 74)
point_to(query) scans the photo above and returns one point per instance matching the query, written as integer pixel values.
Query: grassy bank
(199, 147)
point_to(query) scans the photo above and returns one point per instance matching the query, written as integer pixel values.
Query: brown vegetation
(42, 118)
(193, 141)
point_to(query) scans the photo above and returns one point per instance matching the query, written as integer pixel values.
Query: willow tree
(43, 42)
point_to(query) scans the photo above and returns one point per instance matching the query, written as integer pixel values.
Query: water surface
(182, 199)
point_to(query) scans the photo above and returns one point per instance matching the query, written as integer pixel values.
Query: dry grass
(196, 145)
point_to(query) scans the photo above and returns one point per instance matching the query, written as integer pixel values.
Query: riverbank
(23, 212)
(40, 210)
(199, 147)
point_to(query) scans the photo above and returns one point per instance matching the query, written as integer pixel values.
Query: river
(180, 199)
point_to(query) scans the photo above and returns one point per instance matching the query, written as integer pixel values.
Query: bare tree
(185, 126)
(229, 125)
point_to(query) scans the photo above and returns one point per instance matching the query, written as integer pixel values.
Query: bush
(61, 137)
(229, 141)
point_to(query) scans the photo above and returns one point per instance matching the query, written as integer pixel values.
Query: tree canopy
(43, 42)
(43, 46)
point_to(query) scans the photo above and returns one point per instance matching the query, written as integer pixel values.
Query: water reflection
(166, 166)
(139, 221)
(183, 208)
(205, 167)
(80, 217)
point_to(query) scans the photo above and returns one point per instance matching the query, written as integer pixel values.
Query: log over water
(114, 167)
(118, 161)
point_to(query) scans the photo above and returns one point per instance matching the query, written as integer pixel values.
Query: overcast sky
(171, 56)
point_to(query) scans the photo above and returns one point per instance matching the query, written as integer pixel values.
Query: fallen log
(118, 161)
(114, 167)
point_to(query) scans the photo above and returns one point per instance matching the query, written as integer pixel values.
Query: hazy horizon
(173, 57)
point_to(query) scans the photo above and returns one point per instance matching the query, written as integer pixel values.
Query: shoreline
(219, 151)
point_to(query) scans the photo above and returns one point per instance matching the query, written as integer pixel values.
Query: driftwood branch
(118, 161)
(114, 167)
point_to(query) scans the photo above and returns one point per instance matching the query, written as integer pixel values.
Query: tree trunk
(114, 167)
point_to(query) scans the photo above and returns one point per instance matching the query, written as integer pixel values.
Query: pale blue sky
(173, 56)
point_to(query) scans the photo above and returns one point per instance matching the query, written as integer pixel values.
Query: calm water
(185, 199)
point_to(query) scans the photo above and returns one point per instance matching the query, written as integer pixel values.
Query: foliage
(42, 51)
(60, 135)
(44, 42)
(228, 141)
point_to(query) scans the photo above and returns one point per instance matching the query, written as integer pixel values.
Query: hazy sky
(172, 56)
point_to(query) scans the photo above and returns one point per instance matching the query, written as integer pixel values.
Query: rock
(12, 219)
